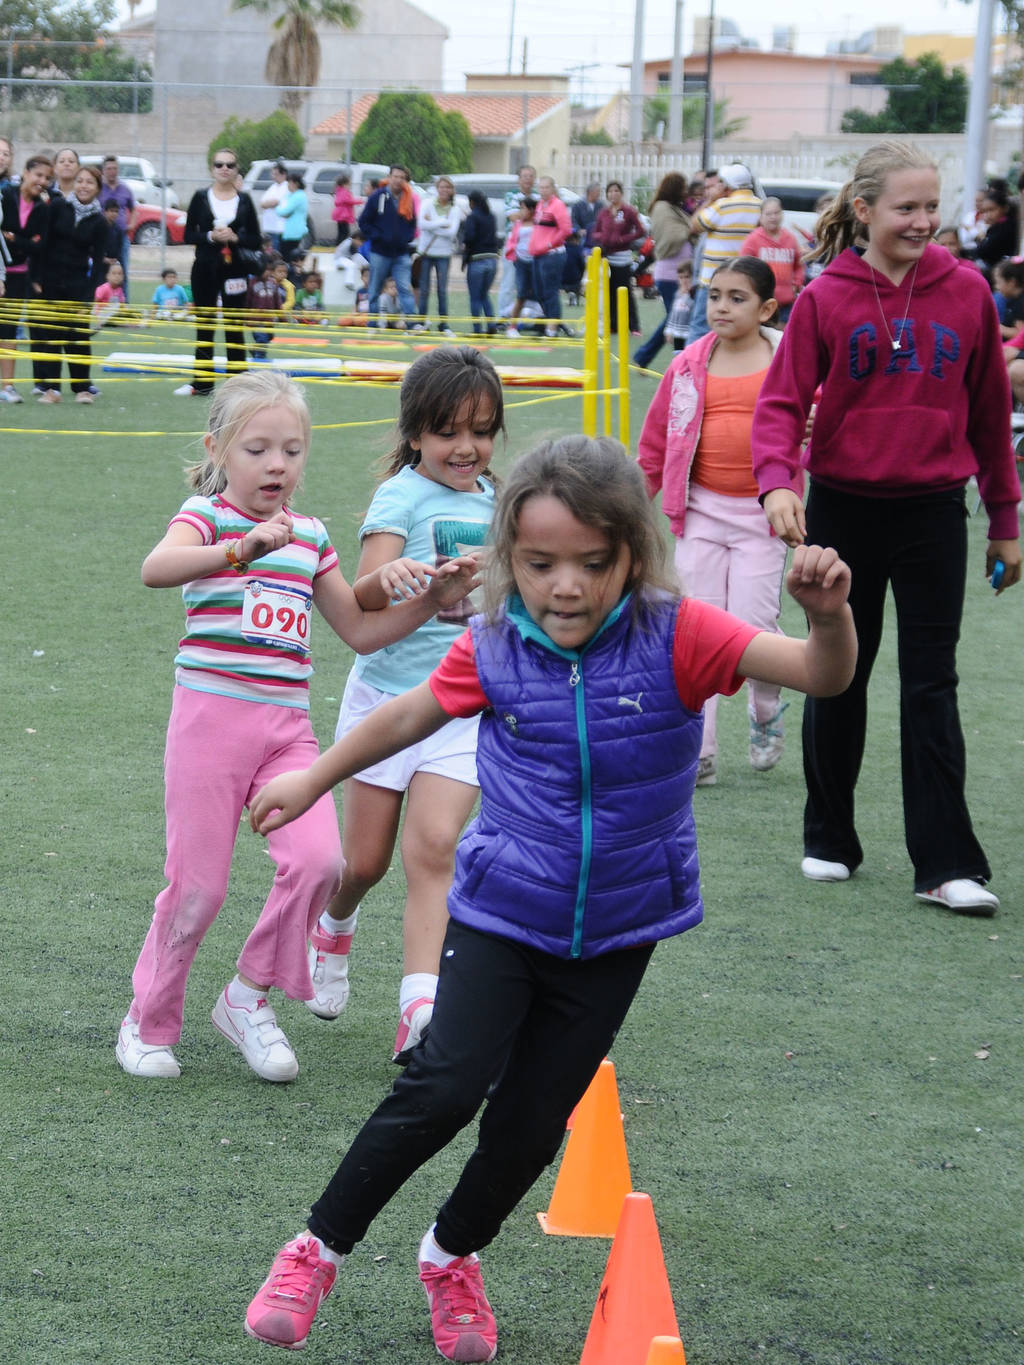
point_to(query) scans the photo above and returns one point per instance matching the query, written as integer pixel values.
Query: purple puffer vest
(585, 841)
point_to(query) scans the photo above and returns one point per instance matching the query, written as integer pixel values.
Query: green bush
(407, 128)
(277, 135)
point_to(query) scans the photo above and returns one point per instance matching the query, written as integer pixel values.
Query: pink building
(780, 94)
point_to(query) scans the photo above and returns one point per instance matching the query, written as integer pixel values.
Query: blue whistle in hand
(997, 574)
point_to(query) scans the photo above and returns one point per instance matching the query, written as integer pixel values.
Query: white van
(141, 178)
(320, 178)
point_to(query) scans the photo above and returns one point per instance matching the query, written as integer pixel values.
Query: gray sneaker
(767, 741)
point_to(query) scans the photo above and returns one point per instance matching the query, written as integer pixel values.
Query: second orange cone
(594, 1177)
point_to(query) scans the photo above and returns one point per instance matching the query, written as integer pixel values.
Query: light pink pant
(219, 753)
(728, 557)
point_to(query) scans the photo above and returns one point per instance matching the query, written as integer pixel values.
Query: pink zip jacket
(671, 429)
(551, 226)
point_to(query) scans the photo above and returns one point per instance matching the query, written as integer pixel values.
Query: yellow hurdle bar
(591, 315)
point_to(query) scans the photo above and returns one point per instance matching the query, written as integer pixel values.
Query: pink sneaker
(328, 966)
(412, 1027)
(460, 1316)
(282, 1312)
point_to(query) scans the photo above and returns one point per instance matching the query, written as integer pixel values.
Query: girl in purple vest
(589, 675)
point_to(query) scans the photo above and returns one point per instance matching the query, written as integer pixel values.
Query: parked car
(141, 178)
(150, 230)
(798, 198)
(320, 178)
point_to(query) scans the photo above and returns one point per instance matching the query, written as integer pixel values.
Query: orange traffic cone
(634, 1304)
(594, 1178)
(666, 1351)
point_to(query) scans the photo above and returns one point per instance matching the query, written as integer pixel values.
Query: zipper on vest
(586, 810)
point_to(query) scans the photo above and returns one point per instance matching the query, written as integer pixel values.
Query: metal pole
(675, 86)
(709, 97)
(511, 35)
(977, 106)
(636, 77)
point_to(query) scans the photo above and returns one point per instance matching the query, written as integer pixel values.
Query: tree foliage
(922, 98)
(275, 136)
(294, 57)
(591, 137)
(407, 127)
(47, 40)
(656, 118)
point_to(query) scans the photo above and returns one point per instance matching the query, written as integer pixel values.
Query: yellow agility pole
(622, 302)
(606, 348)
(591, 314)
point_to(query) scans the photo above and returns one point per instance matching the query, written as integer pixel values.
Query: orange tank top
(723, 461)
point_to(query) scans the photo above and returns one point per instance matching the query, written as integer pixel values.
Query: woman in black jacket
(24, 216)
(222, 226)
(69, 269)
(480, 256)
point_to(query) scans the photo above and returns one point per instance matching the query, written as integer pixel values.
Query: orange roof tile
(487, 115)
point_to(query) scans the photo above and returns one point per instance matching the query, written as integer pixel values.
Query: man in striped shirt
(726, 221)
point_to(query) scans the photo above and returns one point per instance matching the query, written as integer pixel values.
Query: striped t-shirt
(726, 223)
(213, 656)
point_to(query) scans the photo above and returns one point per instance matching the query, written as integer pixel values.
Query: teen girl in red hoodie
(905, 345)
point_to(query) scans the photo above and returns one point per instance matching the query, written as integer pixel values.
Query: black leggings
(533, 1026)
(64, 334)
(918, 547)
(209, 282)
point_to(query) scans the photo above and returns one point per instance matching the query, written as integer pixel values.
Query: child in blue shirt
(169, 297)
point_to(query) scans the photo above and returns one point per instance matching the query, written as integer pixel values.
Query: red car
(149, 229)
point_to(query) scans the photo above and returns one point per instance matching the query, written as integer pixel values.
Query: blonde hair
(236, 403)
(839, 227)
(594, 478)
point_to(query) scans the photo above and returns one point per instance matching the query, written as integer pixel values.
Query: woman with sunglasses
(223, 227)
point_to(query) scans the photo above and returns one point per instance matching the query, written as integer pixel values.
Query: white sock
(330, 925)
(326, 1254)
(416, 986)
(432, 1251)
(242, 996)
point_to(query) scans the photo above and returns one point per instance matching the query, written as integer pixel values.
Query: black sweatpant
(209, 281)
(534, 1026)
(917, 545)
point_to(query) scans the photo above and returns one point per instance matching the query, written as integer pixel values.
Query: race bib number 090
(276, 616)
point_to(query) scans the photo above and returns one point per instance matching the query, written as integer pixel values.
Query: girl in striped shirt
(251, 570)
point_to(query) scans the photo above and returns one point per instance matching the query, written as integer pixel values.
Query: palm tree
(293, 58)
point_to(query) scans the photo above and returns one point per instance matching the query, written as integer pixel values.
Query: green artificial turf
(835, 1170)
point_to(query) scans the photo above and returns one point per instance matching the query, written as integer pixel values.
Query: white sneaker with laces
(143, 1059)
(767, 741)
(963, 894)
(9, 394)
(256, 1034)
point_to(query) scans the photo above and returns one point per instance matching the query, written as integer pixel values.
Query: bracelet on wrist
(231, 554)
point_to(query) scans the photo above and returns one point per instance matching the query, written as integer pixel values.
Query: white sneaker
(707, 770)
(328, 966)
(143, 1059)
(50, 396)
(963, 894)
(256, 1034)
(411, 1029)
(9, 394)
(767, 741)
(818, 870)
(550, 332)
(512, 332)
(84, 397)
(185, 391)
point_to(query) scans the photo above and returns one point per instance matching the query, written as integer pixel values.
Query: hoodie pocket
(886, 448)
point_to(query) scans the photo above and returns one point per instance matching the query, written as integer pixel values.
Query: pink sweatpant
(728, 557)
(219, 753)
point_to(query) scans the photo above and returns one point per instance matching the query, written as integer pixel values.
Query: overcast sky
(598, 34)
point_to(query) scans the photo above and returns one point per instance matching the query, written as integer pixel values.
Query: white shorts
(449, 752)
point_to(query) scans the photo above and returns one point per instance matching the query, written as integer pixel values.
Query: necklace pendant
(896, 344)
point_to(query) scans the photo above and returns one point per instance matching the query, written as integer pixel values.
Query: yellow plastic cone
(594, 1178)
(666, 1351)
